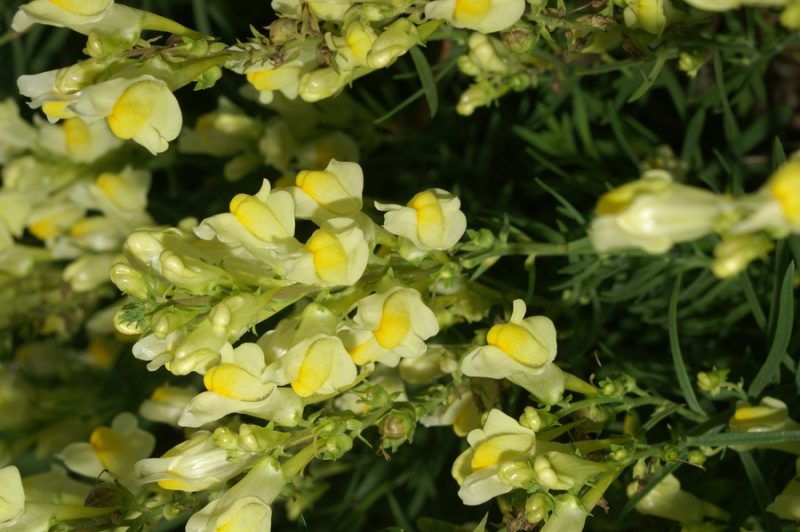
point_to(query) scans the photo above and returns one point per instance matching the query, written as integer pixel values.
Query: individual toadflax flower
(395, 40)
(769, 415)
(260, 223)
(669, 501)
(196, 464)
(569, 514)
(653, 214)
(78, 141)
(501, 440)
(331, 193)
(166, 404)
(649, 15)
(38, 502)
(776, 206)
(336, 254)
(432, 220)
(315, 367)
(285, 77)
(389, 326)
(113, 449)
(143, 109)
(236, 385)
(246, 506)
(485, 16)
(69, 13)
(521, 351)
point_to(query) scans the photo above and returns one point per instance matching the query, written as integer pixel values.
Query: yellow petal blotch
(330, 258)
(471, 12)
(232, 381)
(500, 447)
(134, 108)
(110, 449)
(430, 219)
(83, 7)
(326, 189)
(518, 343)
(316, 368)
(785, 188)
(395, 322)
(257, 218)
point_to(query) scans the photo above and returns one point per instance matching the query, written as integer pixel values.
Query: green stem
(295, 465)
(593, 496)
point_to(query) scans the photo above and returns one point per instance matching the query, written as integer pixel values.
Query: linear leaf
(426, 78)
(783, 333)
(684, 381)
(651, 77)
(726, 439)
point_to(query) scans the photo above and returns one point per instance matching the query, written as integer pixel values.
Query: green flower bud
(640, 469)
(225, 438)
(536, 508)
(398, 426)
(517, 473)
(336, 447)
(531, 419)
(690, 63)
(282, 30)
(670, 454)
(696, 457)
(520, 38)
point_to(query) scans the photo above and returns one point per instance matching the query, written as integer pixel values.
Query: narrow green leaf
(726, 439)
(691, 139)
(569, 209)
(752, 300)
(684, 381)
(778, 153)
(731, 127)
(426, 78)
(760, 489)
(582, 125)
(651, 77)
(783, 333)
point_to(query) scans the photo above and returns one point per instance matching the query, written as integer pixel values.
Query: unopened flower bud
(696, 457)
(517, 473)
(670, 454)
(477, 95)
(732, 255)
(336, 447)
(398, 426)
(282, 30)
(640, 469)
(520, 38)
(531, 419)
(225, 438)
(536, 508)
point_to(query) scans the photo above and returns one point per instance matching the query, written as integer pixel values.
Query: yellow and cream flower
(395, 40)
(315, 367)
(336, 254)
(196, 464)
(166, 404)
(776, 206)
(284, 78)
(261, 223)
(246, 506)
(353, 46)
(237, 384)
(432, 220)
(389, 326)
(142, 109)
(331, 193)
(649, 15)
(653, 214)
(521, 351)
(727, 5)
(42, 92)
(485, 16)
(77, 140)
(113, 449)
(500, 440)
(61, 13)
